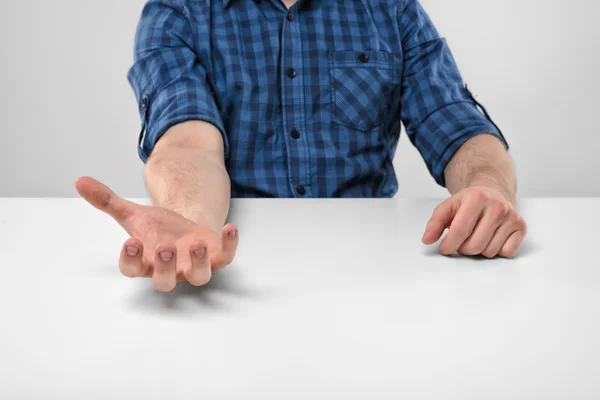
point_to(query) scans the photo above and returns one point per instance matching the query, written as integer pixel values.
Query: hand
(482, 221)
(164, 245)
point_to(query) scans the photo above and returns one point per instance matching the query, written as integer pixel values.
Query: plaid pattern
(315, 100)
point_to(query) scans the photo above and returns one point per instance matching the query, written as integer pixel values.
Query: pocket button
(363, 58)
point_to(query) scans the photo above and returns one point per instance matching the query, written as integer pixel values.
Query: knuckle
(479, 248)
(478, 195)
(471, 249)
(508, 251)
(499, 209)
(513, 220)
(466, 252)
(466, 248)
(488, 253)
(101, 198)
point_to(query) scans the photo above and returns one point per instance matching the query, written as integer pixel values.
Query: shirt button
(301, 191)
(144, 102)
(291, 73)
(295, 134)
(290, 16)
(363, 58)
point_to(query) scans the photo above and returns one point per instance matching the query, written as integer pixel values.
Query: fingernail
(231, 234)
(132, 251)
(166, 255)
(200, 252)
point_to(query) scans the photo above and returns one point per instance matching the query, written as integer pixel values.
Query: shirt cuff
(180, 102)
(448, 129)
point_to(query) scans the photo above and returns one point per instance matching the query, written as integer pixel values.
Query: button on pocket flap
(357, 58)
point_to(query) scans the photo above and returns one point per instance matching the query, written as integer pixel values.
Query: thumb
(441, 219)
(104, 199)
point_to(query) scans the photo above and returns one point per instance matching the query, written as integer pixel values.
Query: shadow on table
(222, 294)
(528, 248)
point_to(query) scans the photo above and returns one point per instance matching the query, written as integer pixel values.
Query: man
(276, 98)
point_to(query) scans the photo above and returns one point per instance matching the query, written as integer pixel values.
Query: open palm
(164, 245)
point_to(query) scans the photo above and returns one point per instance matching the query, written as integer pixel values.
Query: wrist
(196, 214)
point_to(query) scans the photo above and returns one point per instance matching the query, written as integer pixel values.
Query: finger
(229, 244)
(493, 216)
(462, 225)
(511, 225)
(165, 263)
(439, 221)
(512, 244)
(130, 261)
(104, 199)
(199, 272)
(184, 262)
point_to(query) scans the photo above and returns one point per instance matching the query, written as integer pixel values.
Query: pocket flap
(354, 58)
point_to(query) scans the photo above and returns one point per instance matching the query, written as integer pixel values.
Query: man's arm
(482, 161)
(462, 147)
(183, 237)
(186, 174)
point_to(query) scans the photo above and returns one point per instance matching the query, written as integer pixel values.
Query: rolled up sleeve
(438, 111)
(168, 78)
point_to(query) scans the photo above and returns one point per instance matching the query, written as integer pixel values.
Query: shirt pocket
(361, 85)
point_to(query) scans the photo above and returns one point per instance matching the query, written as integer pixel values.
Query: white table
(326, 299)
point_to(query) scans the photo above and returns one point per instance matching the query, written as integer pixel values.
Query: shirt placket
(293, 80)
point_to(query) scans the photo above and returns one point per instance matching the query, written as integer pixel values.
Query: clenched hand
(481, 220)
(164, 245)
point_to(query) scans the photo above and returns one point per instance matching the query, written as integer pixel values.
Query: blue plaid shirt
(309, 100)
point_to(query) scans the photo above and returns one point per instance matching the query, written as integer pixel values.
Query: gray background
(67, 108)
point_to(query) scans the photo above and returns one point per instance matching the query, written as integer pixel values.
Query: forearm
(482, 161)
(191, 181)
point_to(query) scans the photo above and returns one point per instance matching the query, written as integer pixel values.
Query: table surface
(326, 299)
